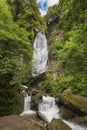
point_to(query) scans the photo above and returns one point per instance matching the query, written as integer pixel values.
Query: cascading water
(49, 110)
(40, 55)
(75, 126)
(27, 100)
(27, 105)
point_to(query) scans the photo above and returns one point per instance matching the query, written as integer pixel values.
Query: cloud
(44, 4)
(52, 2)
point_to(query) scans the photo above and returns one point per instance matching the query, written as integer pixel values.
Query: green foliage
(72, 13)
(27, 15)
(15, 49)
(71, 51)
(11, 101)
(5, 15)
(80, 84)
(71, 54)
(74, 51)
(56, 47)
(66, 82)
(51, 13)
(15, 61)
(50, 85)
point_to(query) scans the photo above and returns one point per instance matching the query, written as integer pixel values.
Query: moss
(76, 103)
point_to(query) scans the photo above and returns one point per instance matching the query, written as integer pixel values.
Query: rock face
(15, 122)
(57, 124)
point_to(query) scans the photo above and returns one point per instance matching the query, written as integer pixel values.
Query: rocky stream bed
(73, 108)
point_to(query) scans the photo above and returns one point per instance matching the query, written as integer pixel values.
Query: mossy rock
(35, 100)
(57, 124)
(14, 122)
(77, 104)
(66, 113)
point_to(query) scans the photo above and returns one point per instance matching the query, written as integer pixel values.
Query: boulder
(57, 124)
(79, 120)
(75, 103)
(66, 113)
(36, 98)
(43, 117)
(14, 122)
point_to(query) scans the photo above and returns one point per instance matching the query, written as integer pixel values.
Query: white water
(49, 110)
(27, 110)
(27, 100)
(40, 56)
(75, 126)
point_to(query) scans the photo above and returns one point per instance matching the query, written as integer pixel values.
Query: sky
(44, 4)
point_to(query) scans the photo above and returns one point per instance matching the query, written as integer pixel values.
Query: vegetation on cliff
(18, 20)
(15, 60)
(27, 15)
(70, 50)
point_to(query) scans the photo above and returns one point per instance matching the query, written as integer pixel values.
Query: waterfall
(27, 100)
(40, 55)
(48, 104)
(27, 105)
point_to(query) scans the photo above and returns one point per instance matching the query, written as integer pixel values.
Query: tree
(71, 51)
(27, 15)
(52, 15)
(72, 13)
(15, 61)
(73, 56)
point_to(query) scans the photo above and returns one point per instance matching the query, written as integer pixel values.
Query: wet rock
(66, 113)
(79, 120)
(36, 98)
(57, 124)
(15, 122)
(43, 117)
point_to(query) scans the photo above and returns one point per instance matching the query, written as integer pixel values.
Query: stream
(49, 110)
